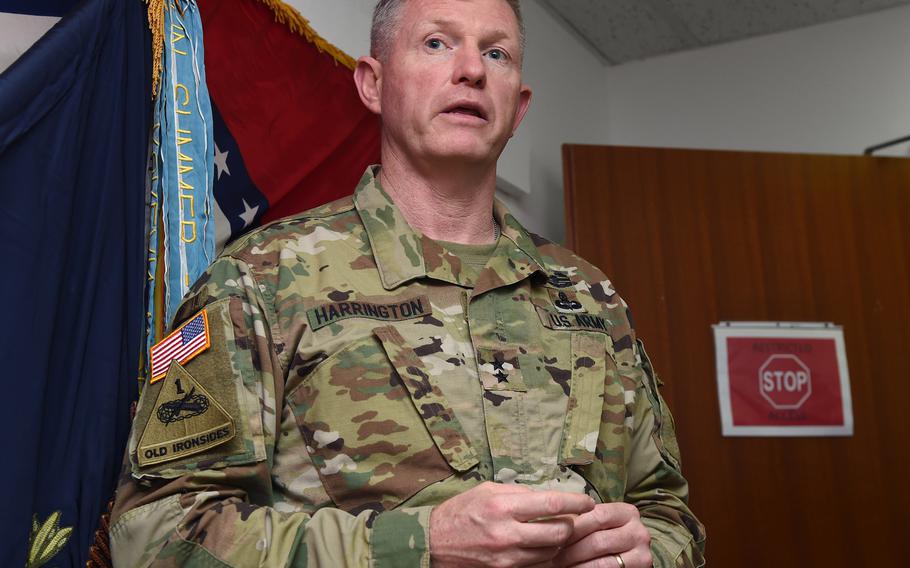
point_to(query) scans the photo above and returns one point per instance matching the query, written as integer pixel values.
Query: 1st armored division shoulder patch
(184, 420)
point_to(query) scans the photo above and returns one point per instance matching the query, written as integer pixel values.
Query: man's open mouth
(467, 109)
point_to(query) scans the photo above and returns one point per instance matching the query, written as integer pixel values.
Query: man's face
(450, 86)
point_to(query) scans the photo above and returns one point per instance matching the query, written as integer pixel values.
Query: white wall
(833, 88)
(567, 105)
(570, 91)
(344, 23)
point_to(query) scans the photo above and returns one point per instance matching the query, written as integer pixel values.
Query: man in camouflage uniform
(408, 375)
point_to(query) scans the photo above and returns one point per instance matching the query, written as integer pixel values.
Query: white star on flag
(221, 161)
(249, 214)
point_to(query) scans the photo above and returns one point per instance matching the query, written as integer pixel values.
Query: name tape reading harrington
(330, 313)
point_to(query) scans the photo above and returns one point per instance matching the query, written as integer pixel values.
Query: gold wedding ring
(619, 561)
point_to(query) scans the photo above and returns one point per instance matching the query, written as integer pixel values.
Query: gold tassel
(99, 553)
(301, 26)
(156, 25)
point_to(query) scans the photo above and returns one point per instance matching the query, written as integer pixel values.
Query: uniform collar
(403, 254)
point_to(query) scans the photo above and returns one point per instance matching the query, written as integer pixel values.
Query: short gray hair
(385, 23)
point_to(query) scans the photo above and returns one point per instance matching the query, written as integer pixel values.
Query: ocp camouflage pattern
(354, 421)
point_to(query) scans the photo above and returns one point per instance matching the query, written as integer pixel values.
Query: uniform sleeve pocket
(205, 412)
(664, 433)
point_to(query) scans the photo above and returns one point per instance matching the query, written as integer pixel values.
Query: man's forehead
(492, 17)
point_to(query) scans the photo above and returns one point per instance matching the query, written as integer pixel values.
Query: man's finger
(552, 532)
(631, 559)
(543, 504)
(611, 562)
(596, 545)
(603, 516)
(533, 556)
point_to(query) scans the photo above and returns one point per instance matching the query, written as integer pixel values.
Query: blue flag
(74, 122)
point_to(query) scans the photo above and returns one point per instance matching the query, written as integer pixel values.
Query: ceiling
(626, 30)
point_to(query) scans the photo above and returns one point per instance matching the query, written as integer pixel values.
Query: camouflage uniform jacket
(352, 380)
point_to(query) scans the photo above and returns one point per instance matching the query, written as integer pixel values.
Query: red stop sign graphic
(785, 381)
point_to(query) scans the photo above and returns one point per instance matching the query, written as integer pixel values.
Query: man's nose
(469, 67)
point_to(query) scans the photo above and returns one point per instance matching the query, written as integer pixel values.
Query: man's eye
(434, 43)
(496, 54)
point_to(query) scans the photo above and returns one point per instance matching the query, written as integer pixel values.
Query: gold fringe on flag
(299, 25)
(99, 553)
(156, 25)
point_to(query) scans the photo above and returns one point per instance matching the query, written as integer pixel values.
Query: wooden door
(691, 238)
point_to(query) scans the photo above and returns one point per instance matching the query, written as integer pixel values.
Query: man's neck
(447, 204)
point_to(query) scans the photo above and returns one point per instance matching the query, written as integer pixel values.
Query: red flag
(289, 122)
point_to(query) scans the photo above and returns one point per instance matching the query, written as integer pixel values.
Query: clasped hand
(510, 525)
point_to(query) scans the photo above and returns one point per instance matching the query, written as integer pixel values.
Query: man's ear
(524, 101)
(368, 78)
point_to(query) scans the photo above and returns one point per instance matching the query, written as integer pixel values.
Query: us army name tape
(573, 322)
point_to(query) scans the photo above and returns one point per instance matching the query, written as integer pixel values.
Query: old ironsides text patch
(326, 314)
(185, 420)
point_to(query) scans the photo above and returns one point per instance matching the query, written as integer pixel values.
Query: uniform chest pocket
(589, 390)
(596, 430)
(377, 429)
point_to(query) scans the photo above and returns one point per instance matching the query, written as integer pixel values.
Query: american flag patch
(184, 343)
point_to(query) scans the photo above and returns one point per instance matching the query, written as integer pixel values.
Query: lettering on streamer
(183, 136)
